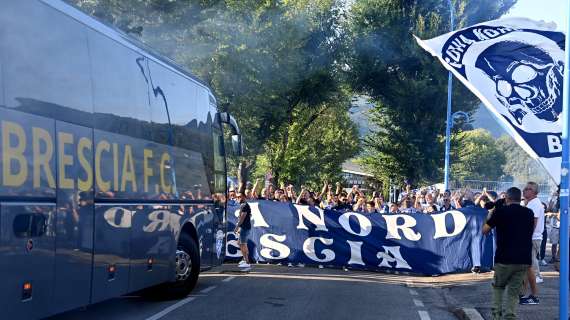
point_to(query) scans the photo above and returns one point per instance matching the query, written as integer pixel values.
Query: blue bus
(113, 169)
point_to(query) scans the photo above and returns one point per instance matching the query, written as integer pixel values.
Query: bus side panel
(46, 72)
(219, 224)
(74, 239)
(152, 246)
(220, 185)
(2, 103)
(111, 251)
(26, 231)
(27, 245)
(201, 216)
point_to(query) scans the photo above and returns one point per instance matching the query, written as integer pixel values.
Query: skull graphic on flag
(515, 66)
(529, 82)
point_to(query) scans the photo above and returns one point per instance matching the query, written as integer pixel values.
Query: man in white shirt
(530, 193)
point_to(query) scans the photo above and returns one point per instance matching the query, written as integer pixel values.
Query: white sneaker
(244, 265)
(289, 264)
(241, 263)
(543, 262)
(539, 279)
(301, 265)
(321, 266)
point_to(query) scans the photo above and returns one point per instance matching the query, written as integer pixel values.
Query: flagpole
(564, 178)
(448, 124)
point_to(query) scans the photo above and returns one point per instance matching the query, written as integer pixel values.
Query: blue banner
(419, 243)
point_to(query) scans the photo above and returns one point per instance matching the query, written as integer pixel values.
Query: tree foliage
(407, 85)
(272, 64)
(319, 143)
(519, 166)
(282, 69)
(476, 155)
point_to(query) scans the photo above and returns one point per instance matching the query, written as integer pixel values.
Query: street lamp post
(456, 116)
(564, 178)
(449, 117)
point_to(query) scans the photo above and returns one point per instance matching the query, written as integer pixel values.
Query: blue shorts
(244, 235)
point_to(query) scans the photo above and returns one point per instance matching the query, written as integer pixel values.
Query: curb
(460, 313)
(467, 314)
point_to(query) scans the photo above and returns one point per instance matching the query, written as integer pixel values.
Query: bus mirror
(237, 145)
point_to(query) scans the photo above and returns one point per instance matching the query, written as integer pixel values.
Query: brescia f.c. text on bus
(15, 166)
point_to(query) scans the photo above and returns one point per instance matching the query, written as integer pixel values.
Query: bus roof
(126, 40)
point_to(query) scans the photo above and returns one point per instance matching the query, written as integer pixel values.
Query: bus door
(219, 189)
(75, 220)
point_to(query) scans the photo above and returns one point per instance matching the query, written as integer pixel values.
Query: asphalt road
(280, 292)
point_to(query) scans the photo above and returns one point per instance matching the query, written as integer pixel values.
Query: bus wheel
(187, 268)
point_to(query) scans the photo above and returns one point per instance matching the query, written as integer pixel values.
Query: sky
(547, 10)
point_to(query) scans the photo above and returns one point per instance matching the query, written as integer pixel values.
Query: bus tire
(187, 268)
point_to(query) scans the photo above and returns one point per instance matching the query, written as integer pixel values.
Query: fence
(544, 189)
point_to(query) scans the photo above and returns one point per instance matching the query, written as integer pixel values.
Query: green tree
(270, 63)
(476, 155)
(319, 143)
(407, 85)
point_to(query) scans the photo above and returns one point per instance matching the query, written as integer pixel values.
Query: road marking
(208, 289)
(472, 314)
(413, 292)
(418, 303)
(424, 315)
(228, 279)
(171, 308)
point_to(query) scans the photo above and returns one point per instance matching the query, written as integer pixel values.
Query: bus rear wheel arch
(186, 268)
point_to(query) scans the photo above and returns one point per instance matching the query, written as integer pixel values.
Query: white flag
(515, 66)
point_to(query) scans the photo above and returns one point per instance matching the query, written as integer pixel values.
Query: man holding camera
(514, 226)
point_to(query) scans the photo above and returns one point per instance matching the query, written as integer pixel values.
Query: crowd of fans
(429, 200)
(426, 200)
(422, 200)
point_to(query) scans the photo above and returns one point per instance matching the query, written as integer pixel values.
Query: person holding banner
(243, 227)
(514, 226)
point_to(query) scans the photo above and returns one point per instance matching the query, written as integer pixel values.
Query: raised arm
(254, 189)
(323, 191)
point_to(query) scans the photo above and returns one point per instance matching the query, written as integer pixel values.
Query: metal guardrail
(544, 189)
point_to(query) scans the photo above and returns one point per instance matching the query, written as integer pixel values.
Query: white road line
(472, 314)
(424, 315)
(228, 279)
(170, 309)
(208, 289)
(418, 303)
(413, 292)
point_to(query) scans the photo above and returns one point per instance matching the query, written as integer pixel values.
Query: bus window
(160, 123)
(179, 96)
(44, 79)
(219, 155)
(120, 88)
